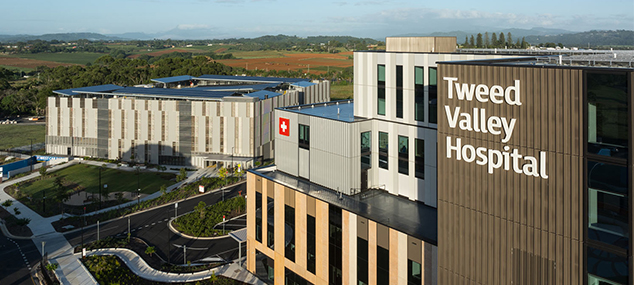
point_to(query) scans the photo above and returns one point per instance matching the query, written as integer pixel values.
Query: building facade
(217, 119)
(450, 168)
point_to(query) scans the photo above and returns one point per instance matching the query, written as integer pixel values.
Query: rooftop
(412, 218)
(342, 110)
(173, 79)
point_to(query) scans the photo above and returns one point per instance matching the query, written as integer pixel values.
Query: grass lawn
(338, 91)
(87, 177)
(19, 135)
(76, 57)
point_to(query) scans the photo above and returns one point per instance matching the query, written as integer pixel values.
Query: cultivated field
(22, 63)
(64, 57)
(316, 62)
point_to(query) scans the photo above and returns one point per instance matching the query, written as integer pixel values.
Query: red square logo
(285, 127)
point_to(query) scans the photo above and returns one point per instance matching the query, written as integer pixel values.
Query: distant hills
(620, 38)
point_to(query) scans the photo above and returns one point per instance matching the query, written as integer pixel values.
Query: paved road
(18, 257)
(151, 226)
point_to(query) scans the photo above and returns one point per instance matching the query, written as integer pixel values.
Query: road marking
(160, 222)
(140, 228)
(154, 223)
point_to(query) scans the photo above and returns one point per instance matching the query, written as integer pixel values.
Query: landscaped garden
(203, 220)
(83, 180)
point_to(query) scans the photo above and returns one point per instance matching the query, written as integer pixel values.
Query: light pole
(138, 188)
(100, 185)
(31, 140)
(82, 229)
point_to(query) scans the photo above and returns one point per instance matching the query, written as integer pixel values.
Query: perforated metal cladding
(185, 128)
(103, 127)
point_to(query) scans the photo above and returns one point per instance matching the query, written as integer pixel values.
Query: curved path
(142, 269)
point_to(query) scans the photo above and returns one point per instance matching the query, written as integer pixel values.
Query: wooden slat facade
(505, 227)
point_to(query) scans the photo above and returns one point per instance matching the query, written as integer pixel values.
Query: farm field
(24, 63)
(272, 60)
(72, 58)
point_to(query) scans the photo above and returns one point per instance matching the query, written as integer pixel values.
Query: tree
(60, 193)
(43, 172)
(471, 41)
(494, 40)
(509, 40)
(52, 266)
(487, 43)
(222, 173)
(501, 40)
(524, 44)
(150, 250)
(466, 42)
(479, 41)
(163, 189)
(200, 208)
(182, 175)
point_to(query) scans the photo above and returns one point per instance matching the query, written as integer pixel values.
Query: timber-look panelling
(505, 227)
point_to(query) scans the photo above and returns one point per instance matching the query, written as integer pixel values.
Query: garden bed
(201, 222)
(14, 225)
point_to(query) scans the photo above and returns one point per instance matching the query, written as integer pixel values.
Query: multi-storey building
(215, 119)
(450, 168)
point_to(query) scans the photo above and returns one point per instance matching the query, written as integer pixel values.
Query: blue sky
(252, 18)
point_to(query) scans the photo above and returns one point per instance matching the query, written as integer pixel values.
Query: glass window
(433, 95)
(607, 114)
(382, 265)
(270, 232)
(399, 91)
(414, 270)
(362, 261)
(334, 244)
(366, 150)
(258, 216)
(383, 150)
(289, 220)
(419, 93)
(420, 158)
(403, 155)
(310, 243)
(608, 209)
(264, 267)
(381, 90)
(606, 268)
(304, 136)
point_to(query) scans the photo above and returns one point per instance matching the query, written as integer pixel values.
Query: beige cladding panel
(506, 227)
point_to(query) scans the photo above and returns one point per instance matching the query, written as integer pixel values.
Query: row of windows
(419, 93)
(403, 154)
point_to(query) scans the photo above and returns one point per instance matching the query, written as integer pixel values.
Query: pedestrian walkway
(139, 267)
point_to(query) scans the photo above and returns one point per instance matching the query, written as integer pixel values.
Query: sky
(252, 18)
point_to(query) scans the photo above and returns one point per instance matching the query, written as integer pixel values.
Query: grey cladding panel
(185, 128)
(103, 127)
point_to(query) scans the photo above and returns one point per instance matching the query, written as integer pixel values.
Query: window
(419, 151)
(310, 243)
(362, 261)
(608, 209)
(291, 278)
(270, 232)
(399, 91)
(382, 265)
(289, 220)
(381, 90)
(264, 267)
(366, 150)
(304, 136)
(419, 93)
(258, 216)
(607, 114)
(334, 244)
(383, 150)
(414, 273)
(605, 268)
(403, 155)
(433, 94)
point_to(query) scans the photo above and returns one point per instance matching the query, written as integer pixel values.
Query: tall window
(382, 265)
(433, 95)
(304, 136)
(334, 243)
(270, 232)
(258, 216)
(366, 150)
(608, 210)
(605, 268)
(383, 150)
(362, 261)
(381, 90)
(420, 158)
(310, 243)
(289, 220)
(403, 155)
(399, 91)
(414, 273)
(419, 93)
(607, 114)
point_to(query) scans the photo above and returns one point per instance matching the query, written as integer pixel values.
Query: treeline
(495, 41)
(54, 46)
(620, 39)
(29, 97)
(294, 43)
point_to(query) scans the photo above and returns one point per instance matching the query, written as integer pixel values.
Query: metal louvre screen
(185, 128)
(103, 127)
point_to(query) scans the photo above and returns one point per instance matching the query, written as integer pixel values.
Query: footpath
(71, 270)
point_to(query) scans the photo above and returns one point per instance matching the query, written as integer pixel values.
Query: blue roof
(343, 111)
(237, 88)
(173, 79)
(248, 78)
(263, 94)
(303, 84)
(98, 88)
(170, 92)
